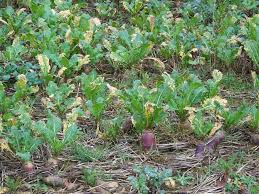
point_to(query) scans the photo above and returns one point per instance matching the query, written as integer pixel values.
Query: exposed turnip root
(200, 150)
(148, 140)
(210, 145)
(255, 139)
(215, 140)
(28, 167)
(127, 125)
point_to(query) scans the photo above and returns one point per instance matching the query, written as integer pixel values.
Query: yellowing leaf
(170, 183)
(88, 36)
(210, 102)
(151, 20)
(35, 89)
(107, 44)
(216, 127)
(21, 82)
(61, 71)
(83, 60)
(4, 146)
(68, 36)
(112, 90)
(64, 14)
(149, 109)
(94, 22)
(217, 75)
(44, 63)
(19, 11)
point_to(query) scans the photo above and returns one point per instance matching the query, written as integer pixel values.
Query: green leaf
(252, 50)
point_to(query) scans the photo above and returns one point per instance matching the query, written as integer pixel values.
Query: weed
(149, 179)
(182, 179)
(90, 177)
(13, 184)
(86, 154)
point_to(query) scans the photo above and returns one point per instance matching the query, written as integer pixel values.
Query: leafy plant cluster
(149, 179)
(182, 94)
(48, 40)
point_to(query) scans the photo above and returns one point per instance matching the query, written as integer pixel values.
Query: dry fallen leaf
(52, 162)
(3, 190)
(55, 181)
(109, 186)
(70, 186)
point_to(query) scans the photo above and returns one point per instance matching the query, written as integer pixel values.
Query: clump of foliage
(59, 97)
(20, 136)
(50, 129)
(184, 90)
(144, 104)
(236, 180)
(231, 117)
(96, 93)
(9, 103)
(200, 126)
(127, 49)
(149, 179)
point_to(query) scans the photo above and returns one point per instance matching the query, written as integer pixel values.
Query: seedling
(89, 154)
(113, 127)
(90, 177)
